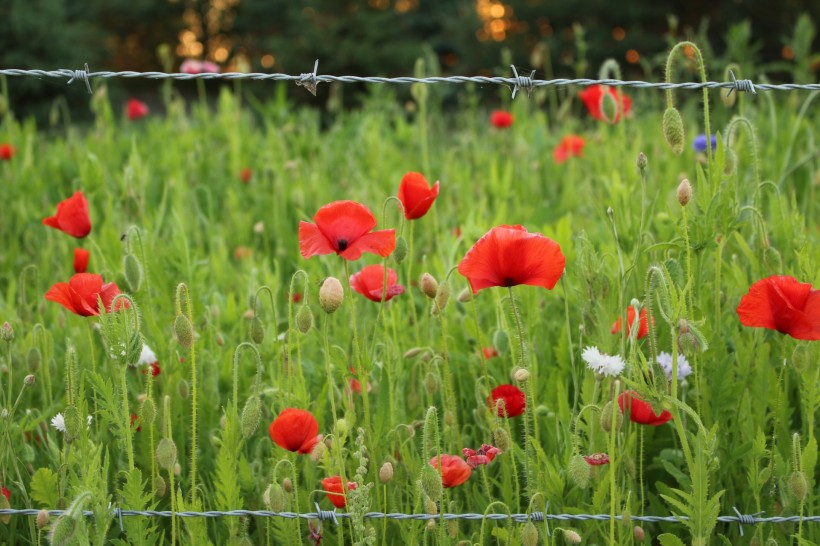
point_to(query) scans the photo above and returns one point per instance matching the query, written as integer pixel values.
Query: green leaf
(45, 487)
(668, 539)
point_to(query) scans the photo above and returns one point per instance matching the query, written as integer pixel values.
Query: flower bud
(609, 107)
(501, 341)
(501, 440)
(148, 411)
(7, 332)
(74, 423)
(412, 352)
(342, 426)
(167, 454)
(430, 507)
(400, 252)
(287, 485)
(33, 359)
(442, 296)
(29, 380)
(684, 193)
(184, 331)
(580, 471)
(431, 483)
(431, 383)
(42, 518)
(276, 497)
(183, 389)
(251, 414)
(673, 129)
(642, 162)
(133, 272)
(449, 418)
(606, 418)
(318, 452)
(466, 296)
(522, 375)
(529, 534)
(798, 485)
(638, 533)
(331, 294)
(572, 537)
(304, 319)
(257, 330)
(177, 469)
(386, 472)
(429, 285)
(63, 531)
(773, 260)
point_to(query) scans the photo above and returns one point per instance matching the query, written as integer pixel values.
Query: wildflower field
(571, 304)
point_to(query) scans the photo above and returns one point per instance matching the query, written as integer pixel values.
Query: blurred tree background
(384, 37)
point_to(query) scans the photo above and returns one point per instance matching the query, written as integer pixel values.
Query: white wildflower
(147, 356)
(603, 363)
(90, 418)
(665, 361)
(58, 422)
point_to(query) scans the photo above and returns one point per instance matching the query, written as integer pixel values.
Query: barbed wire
(310, 80)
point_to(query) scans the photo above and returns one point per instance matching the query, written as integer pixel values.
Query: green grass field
(217, 286)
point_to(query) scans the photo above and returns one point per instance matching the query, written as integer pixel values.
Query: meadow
(648, 346)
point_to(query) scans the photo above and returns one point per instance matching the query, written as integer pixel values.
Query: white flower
(603, 363)
(89, 420)
(147, 356)
(58, 422)
(665, 361)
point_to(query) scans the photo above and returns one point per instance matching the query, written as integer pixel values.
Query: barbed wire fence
(310, 81)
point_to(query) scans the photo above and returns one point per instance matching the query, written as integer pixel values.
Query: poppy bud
(522, 375)
(452, 526)
(160, 487)
(798, 485)
(501, 440)
(73, 423)
(287, 485)
(183, 389)
(251, 414)
(33, 359)
(318, 452)
(63, 531)
(572, 537)
(167, 453)
(684, 193)
(135, 344)
(386, 472)
(728, 98)
(466, 296)
(449, 419)
(148, 411)
(606, 418)
(331, 294)
(304, 319)
(133, 272)
(184, 331)
(5, 505)
(442, 296)
(342, 426)
(42, 518)
(609, 107)
(431, 383)
(412, 352)
(773, 260)
(257, 330)
(730, 162)
(431, 483)
(177, 469)
(800, 358)
(501, 341)
(529, 534)
(430, 506)
(400, 252)
(642, 162)
(276, 497)
(429, 285)
(7, 333)
(673, 129)
(638, 533)
(688, 343)
(431, 525)
(580, 471)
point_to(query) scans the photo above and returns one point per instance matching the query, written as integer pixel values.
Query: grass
(222, 258)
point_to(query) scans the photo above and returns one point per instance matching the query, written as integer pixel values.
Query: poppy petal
(312, 241)
(81, 257)
(61, 293)
(295, 430)
(87, 287)
(381, 242)
(344, 220)
(107, 293)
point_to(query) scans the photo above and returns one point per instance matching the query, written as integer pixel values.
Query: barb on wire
(309, 80)
(522, 82)
(741, 85)
(81, 75)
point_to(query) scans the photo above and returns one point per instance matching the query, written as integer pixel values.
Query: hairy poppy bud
(5, 505)
(7, 332)
(773, 260)
(466, 296)
(304, 319)
(430, 507)
(318, 452)
(431, 383)
(42, 518)
(133, 272)
(412, 352)
(400, 252)
(501, 341)
(431, 483)
(33, 359)
(673, 129)
(642, 162)
(730, 162)
(184, 331)
(684, 193)
(580, 471)
(522, 375)
(287, 485)
(638, 533)
(257, 330)
(452, 524)
(148, 411)
(798, 485)
(276, 497)
(73, 423)
(166, 453)
(183, 389)
(501, 440)
(331, 294)
(442, 295)
(572, 537)
(63, 531)
(606, 418)
(160, 487)
(386, 472)
(609, 107)
(529, 534)
(429, 285)
(251, 414)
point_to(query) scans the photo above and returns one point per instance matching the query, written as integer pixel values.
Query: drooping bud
(466, 296)
(431, 483)
(580, 471)
(429, 285)
(331, 294)
(276, 497)
(167, 453)
(773, 260)
(184, 331)
(133, 272)
(33, 359)
(638, 533)
(304, 319)
(257, 330)
(609, 107)
(606, 418)
(501, 440)
(342, 426)
(160, 487)
(572, 537)
(287, 485)
(318, 452)
(63, 531)
(673, 129)
(29, 380)
(730, 162)
(386, 472)
(684, 193)
(73, 423)
(449, 418)
(529, 534)
(642, 162)
(431, 383)
(251, 414)
(412, 352)
(400, 252)
(430, 507)
(442, 296)
(7, 333)
(183, 389)
(501, 341)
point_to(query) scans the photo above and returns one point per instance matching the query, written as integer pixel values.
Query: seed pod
(684, 193)
(63, 531)
(331, 294)
(501, 440)
(606, 418)
(642, 162)
(133, 272)
(400, 252)
(429, 285)
(580, 471)
(251, 414)
(184, 331)
(73, 423)
(673, 130)
(148, 411)
(386, 472)
(529, 534)
(167, 453)
(431, 483)
(257, 330)
(304, 319)
(33, 359)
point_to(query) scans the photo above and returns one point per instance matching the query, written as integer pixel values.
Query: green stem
(362, 371)
(612, 489)
(126, 416)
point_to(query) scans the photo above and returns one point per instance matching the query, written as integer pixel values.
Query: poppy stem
(519, 359)
(361, 371)
(612, 478)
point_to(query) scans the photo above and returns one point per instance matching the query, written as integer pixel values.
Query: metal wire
(310, 80)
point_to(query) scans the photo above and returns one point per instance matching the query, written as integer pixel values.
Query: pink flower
(192, 66)
(136, 109)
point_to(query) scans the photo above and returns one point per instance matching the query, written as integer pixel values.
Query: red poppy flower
(79, 295)
(356, 386)
(295, 430)
(784, 304)
(369, 282)
(136, 109)
(6, 151)
(641, 412)
(335, 492)
(245, 175)
(597, 459)
(454, 470)
(134, 418)
(6, 493)
(592, 97)
(483, 456)
(297, 297)
(514, 400)
(416, 195)
(501, 119)
(153, 367)
(510, 255)
(572, 145)
(643, 323)
(489, 352)
(344, 227)
(81, 257)
(72, 216)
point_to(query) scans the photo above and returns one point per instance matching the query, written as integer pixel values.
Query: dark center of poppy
(342, 244)
(509, 281)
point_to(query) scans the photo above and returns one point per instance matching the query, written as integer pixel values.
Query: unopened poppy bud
(160, 487)
(501, 439)
(29, 380)
(606, 418)
(148, 411)
(684, 193)
(798, 485)
(522, 375)
(800, 358)
(431, 483)
(331, 294)
(220, 340)
(63, 531)
(452, 528)
(772, 259)
(177, 469)
(430, 507)
(42, 518)
(429, 285)
(572, 537)
(184, 331)
(276, 498)
(412, 352)
(449, 419)
(529, 534)
(442, 295)
(642, 162)
(342, 426)
(386, 472)
(501, 341)
(318, 452)
(609, 107)
(431, 383)
(74, 423)
(257, 330)
(580, 471)
(673, 129)
(304, 319)
(7, 333)
(638, 533)
(466, 296)
(5, 505)
(688, 343)
(33, 359)
(400, 252)
(133, 272)
(287, 485)
(431, 525)
(251, 414)
(166, 453)
(183, 389)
